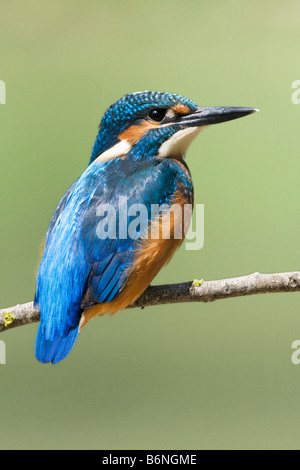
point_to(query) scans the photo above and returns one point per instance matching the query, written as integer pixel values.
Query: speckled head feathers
(130, 109)
(133, 105)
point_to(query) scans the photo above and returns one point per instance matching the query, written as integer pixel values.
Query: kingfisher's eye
(157, 114)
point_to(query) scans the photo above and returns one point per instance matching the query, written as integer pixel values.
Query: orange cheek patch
(181, 109)
(134, 133)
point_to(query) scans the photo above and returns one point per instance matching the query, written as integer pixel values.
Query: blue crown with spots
(130, 109)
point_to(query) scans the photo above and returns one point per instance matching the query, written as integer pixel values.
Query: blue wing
(78, 269)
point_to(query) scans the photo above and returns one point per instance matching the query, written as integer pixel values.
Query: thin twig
(178, 293)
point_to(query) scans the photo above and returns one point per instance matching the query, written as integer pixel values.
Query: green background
(187, 376)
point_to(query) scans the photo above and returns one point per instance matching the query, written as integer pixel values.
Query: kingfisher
(91, 264)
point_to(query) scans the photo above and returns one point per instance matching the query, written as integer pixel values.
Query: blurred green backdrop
(178, 377)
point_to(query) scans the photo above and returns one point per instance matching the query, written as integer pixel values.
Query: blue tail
(56, 349)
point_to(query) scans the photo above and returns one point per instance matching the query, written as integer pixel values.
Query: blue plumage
(76, 264)
(79, 269)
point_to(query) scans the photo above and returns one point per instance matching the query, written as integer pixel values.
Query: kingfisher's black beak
(214, 115)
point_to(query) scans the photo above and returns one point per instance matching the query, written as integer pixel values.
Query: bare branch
(179, 293)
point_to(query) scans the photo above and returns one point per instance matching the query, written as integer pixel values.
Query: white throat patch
(119, 149)
(178, 144)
